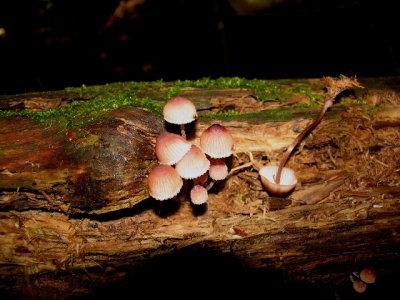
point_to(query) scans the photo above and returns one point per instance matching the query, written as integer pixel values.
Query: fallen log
(92, 168)
(75, 212)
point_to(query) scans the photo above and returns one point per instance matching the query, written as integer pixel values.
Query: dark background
(52, 44)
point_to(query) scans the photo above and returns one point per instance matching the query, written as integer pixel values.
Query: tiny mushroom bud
(170, 148)
(180, 110)
(288, 180)
(368, 275)
(193, 164)
(164, 182)
(216, 141)
(198, 195)
(218, 169)
(359, 286)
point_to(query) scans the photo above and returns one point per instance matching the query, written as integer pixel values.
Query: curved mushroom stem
(328, 103)
(183, 132)
(335, 87)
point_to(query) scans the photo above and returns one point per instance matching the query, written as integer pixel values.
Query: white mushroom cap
(170, 148)
(287, 183)
(193, 164)
(164, 182)
(218, 169)
(198, 195)
(179, 110)
(217, 141)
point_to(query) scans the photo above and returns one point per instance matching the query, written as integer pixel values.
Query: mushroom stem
(334, 88)
(184, 191)
(210, 185)
(183, 133)
(238, 168)
(328, 103)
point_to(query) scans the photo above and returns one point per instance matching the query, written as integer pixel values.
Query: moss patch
(264, 90)
(79, 113)
(152, 95)
(269, 115)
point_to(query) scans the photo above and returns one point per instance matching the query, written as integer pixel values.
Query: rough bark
(75, 212)
(95, 168)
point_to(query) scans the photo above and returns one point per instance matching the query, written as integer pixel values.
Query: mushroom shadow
(199, 209)
(190, 129)
(167, 207)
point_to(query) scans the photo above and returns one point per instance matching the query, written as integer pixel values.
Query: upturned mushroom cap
(368, 275)
(287, 183)
(218, 169)
(198, 195)
(179, 110)
(164, 182)
(170, 148)
(217, 141)
(193, 164)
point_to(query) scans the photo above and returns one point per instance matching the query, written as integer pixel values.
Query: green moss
(103, 98)
(79, 113)
(264, 90)
(360, 102)
(306, 91)
(226, 114)
(270, 115)
(373, 109)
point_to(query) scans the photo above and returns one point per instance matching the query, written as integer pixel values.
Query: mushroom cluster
(182, 162)
(363, 279)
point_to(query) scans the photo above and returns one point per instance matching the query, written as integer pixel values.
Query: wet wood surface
(74, 205)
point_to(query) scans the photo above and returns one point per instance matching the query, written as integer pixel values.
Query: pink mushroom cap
(216, 141)
(193, 164)
(164, 182)
(218, 169)
(198, 195)
(179, 110)
(359, 286)
(170, 148)
(368, 275)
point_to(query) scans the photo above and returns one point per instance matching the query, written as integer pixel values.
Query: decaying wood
(96, 168)
(74, 206)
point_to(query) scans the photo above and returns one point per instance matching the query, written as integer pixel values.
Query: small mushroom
(218, 169)
(274, 182)
(164, 182)
(368, 275)
(193, 164)
(198, 195)
(216, 141)
(359, 286)
(287, 183)
(170, 148)
(180, 110)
